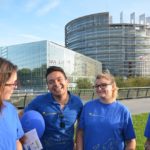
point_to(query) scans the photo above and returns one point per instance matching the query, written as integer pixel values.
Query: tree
(84, 83)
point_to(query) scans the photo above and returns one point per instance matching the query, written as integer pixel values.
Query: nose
(56, 82)
(15, 87)
(99, 88)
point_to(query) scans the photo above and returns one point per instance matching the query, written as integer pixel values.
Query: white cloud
(31, 4)
(29, 37)
(40, 7)
(46, 8)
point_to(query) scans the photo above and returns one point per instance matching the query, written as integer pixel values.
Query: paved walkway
(137, 106)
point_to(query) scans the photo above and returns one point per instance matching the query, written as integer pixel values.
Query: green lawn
(139, 122)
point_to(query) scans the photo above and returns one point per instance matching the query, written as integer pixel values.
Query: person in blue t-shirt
(147, 134)
(60, 110)
(105, 124)
(10, 127)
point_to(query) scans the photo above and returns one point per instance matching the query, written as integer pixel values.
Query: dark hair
(6, 70)
(55, 68)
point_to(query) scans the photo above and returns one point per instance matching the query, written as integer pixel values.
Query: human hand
(147, 146)
(23, 139)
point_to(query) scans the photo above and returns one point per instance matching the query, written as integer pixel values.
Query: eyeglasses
(11, 84)
(62, 123)
(103, 85)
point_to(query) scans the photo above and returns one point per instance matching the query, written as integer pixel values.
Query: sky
(23, 21)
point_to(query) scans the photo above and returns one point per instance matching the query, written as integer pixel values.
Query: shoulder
(121, 106)
(9, 105)
(122, 109)
(38, 102)
(41, 98)
(75, 98)
(9, 109)
(91, 103)
(75, 101)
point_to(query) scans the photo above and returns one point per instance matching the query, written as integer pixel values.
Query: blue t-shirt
(10, 127)
(59, 130)
(105, 126)
(147, 128)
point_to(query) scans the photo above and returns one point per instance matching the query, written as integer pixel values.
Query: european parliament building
(34, 58)
(123, 48)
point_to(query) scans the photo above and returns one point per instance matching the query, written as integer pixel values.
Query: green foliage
(133, 82)
(84, 83)
(121, 82)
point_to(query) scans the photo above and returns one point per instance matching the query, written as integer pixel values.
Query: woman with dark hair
(105, 123)
(10, 127)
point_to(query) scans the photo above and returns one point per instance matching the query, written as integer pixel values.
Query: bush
(84, 83)
(133, 82)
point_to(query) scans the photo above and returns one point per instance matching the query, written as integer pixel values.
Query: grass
(139, 122)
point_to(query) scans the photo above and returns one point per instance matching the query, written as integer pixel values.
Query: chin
(102, 95)
(7, 98)
(103, 98)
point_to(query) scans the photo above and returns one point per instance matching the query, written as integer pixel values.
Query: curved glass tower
(123, 48)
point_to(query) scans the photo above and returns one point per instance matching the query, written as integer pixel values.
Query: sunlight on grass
(139, 122)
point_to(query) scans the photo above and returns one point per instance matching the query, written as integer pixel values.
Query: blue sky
(33, 20)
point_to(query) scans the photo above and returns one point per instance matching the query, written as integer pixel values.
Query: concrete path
(137, 106)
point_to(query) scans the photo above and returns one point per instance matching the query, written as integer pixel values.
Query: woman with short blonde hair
(105, 123)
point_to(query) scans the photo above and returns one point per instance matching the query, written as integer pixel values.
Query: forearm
(130, 145)
(79, 139)
(18, 145)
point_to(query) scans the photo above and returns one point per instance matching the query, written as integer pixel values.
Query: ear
(48, 89)
(67, 80)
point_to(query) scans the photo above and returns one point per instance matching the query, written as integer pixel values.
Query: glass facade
(123, 48)
(33, 58)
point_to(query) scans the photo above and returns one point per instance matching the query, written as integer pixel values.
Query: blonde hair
(111, 78)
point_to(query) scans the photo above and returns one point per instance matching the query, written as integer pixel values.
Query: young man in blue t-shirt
(60, 110)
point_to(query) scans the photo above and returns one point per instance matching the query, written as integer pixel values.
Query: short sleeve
(81, 119)
(20, 131)
(128, 130)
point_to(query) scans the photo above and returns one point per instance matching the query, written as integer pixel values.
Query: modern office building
(33, 58)
(123, 48)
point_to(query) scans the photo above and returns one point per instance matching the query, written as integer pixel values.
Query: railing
(22, 98)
